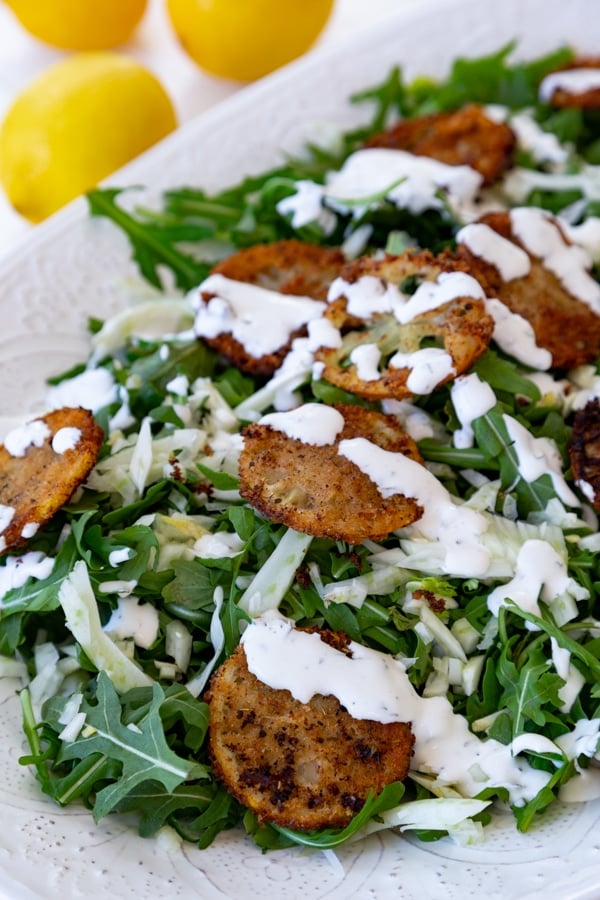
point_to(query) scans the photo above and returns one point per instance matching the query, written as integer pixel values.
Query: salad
(121, 613)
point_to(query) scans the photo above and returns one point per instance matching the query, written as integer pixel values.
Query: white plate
(73, 267)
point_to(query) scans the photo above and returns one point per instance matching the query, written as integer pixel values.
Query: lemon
(77, 122)
(79, 24)
(246, 39)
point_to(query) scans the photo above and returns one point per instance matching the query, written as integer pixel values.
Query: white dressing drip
(6, 516)
(66, 439)
(456, 528)
(261, 320)
(367, 295)
(132, 619)
(516, 337)
(374, 686)
(537, 457)
(409, 181)
(433, 294)
(306, 207)
(511, 261)
(366, 358)
(16, 571)
(429, 366)
(471, 398)
(571, 81)
(311, 423)
(541, 236)
(20, 439)
(540, 573)
(91, 390)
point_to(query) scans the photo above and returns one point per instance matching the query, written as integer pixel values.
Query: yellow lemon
(76, 123)
(79, 24)
(246, 39)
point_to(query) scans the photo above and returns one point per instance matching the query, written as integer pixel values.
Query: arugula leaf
(150, 247)
(142, 751)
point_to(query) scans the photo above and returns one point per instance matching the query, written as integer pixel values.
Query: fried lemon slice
(315, 490)
(393, 353)
(466, 137)
(563, 324)
(299, 765)
(42, 463)
(576, 85)
(584, 451)
(290, 267)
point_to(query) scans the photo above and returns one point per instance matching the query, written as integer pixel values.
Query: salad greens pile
(159, 527)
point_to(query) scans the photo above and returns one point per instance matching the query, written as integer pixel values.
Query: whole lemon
(246, 39)
(79, 24)
(77, 122)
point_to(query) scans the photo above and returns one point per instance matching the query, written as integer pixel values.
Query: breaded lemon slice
(407, 324)
(254, 328)
(299, 765)
(313, 489)
(42, 463)
(462, 137)
(553, 289)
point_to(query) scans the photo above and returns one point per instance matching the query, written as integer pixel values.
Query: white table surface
(22, 57)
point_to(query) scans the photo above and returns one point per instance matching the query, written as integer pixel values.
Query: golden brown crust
(461, 137)
(462, 326)
(288, 267)
(589, 99)
(39, 483)
(562, 324)
(315, 490)
(584, 449)
(299, 765)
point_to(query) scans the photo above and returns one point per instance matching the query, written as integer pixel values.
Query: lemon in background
(246, 39)
(79, 24)
(77, 122)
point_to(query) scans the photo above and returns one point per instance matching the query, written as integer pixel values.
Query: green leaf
(142, 751)
(150, 248)
(527, 690)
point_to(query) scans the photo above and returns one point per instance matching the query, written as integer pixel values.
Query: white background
(22, 57)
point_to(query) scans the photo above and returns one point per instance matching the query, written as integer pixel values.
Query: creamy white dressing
(92, 389)
(540, 235)
(133, 620)
(28, 530)
(260, 319)
(516, 337)
(116, 557)
(573, 678)
(571, 81)
(311, 423)
(471, 398)
(17, 569)
(429, 367)
(367, 295)
(374, 686)
(306, 207)
(433, 294)
(540, 574)
(7, 514)
(543, 146)
(537, 457)
(586, 235)
(511, 261)
(456, 528)
(409, 181)
(65, 439)
(366, 358)
(20, 439)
